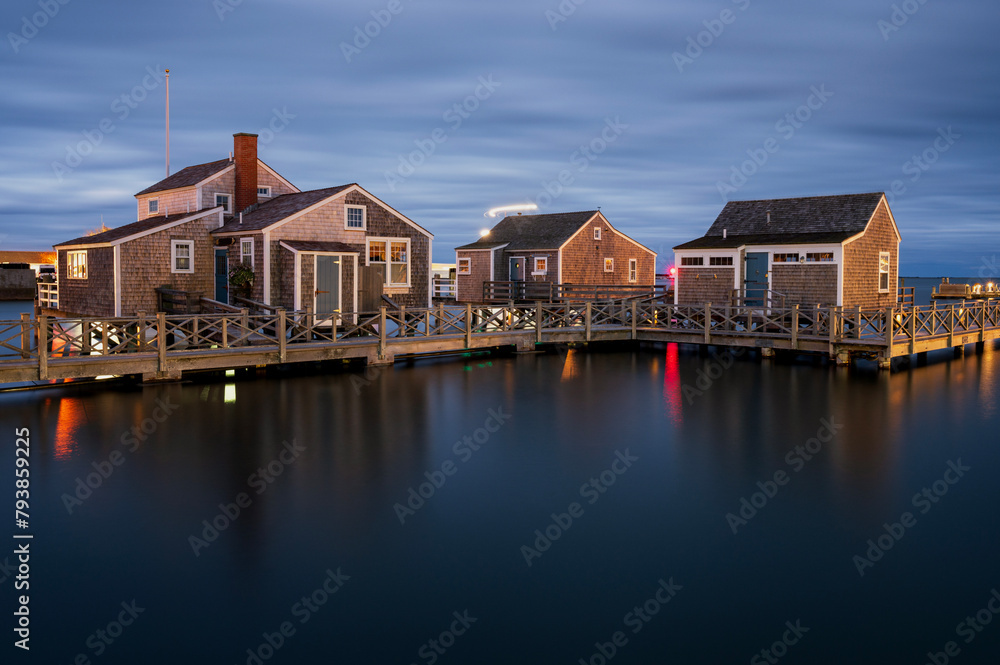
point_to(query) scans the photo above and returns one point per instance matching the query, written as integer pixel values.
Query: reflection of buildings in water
(672, 394)
(70, 421)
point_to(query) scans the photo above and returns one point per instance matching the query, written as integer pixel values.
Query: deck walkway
(162, 346)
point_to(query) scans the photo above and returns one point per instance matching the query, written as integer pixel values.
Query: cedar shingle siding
(94, 296)
(805, 283)
(583, 258)
(470, 287)
(861, 264)
(701, 285)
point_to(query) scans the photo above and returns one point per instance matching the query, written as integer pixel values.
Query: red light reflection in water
(71, 419)
(672, 385)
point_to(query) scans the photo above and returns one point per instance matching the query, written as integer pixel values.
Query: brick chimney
(245, 155)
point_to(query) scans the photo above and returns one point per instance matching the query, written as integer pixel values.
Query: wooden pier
(164, 346)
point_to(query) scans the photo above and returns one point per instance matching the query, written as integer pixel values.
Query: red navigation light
(673, 272)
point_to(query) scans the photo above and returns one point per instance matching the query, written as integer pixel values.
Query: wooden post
(951, 325)
(708, 323)
(913, 330)
(381, 331)
(795, 326)
(245, 323)
(225, 331)
(161, 341)
(85, 337)
(104, 337)
(334, 319)
(310, 322)
(402, 320)
(25, 335)
(468, 325)
(538, 323)
(282, 341)
(890, 332)
(43, 348)
(427, 323)
(982, 321)
(141, 330)
(587, 319)
(635, 322)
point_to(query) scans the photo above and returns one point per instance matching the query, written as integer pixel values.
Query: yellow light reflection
(571, 368)
(70, 420)
(230, 394)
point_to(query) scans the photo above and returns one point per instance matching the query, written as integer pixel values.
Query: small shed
(838, 250)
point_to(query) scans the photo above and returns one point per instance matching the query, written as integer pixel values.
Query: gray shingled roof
(187, 177)
(277, 209)
(141, 226)
(533, 231)
(812, 219)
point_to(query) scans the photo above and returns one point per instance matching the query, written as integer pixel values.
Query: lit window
(633, 270)
(264, 191)
(812, 257)
(541, 265)
(246, 251)
(154, 206)
(465, 266)
(692, 260)
(222, 200)
(720, 261)
(883, 272)
(182, 256)
(76, 265)
(392, 255)
(355, 217)
(786, 258)
(609, 265)
(597, 233)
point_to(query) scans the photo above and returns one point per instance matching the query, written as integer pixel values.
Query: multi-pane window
(692, 260)
(223, 200)
(597, 233)
(355, 217)
(786, 258)
(633, 270)
(76, 265)
(392, 255)
(720, 260)
(465, 266)
(883, 272)
(541, 265)
(154, 206)
(812, 257)
(263, 191)
(182, 256)
(609, 265)
(246, 251)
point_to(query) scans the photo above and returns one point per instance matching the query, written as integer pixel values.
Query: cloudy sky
(656, 112)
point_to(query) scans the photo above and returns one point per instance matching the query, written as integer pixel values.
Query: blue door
(516, 270)
(327, 286)
(222, 275)
(755, 281)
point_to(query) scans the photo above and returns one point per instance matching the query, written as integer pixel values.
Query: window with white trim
(541, 265)
(692, 260)
(720, 260)
(154, 206)
(465, 266)
(884, 259)
(76, 265)
(182, 256)
(633, 270)
(597, 233)
(786, 258)
(264, 191)
(392, 255)
(355, 218)
(816, 257)
(609, 265)
(246, 250)
(223, 200)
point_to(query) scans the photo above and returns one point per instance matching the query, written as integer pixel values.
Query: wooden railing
(445, 287)
(494, 291)
(162, 334)
(48, 295)
(758, 298)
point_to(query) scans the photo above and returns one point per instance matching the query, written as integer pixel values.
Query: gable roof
(278, 208)
(142, 227)
(522, 232)
(814, 219)
(188, 176)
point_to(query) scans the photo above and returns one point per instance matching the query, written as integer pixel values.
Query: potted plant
(241, 279)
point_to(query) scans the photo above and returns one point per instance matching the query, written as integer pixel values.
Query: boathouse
(337, 249)
(570, 248)
(822, 250)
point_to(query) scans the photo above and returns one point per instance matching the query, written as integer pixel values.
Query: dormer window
(223, 200)
(154, 206)
(264, 192)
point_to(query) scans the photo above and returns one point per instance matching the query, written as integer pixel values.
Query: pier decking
(163, 347)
